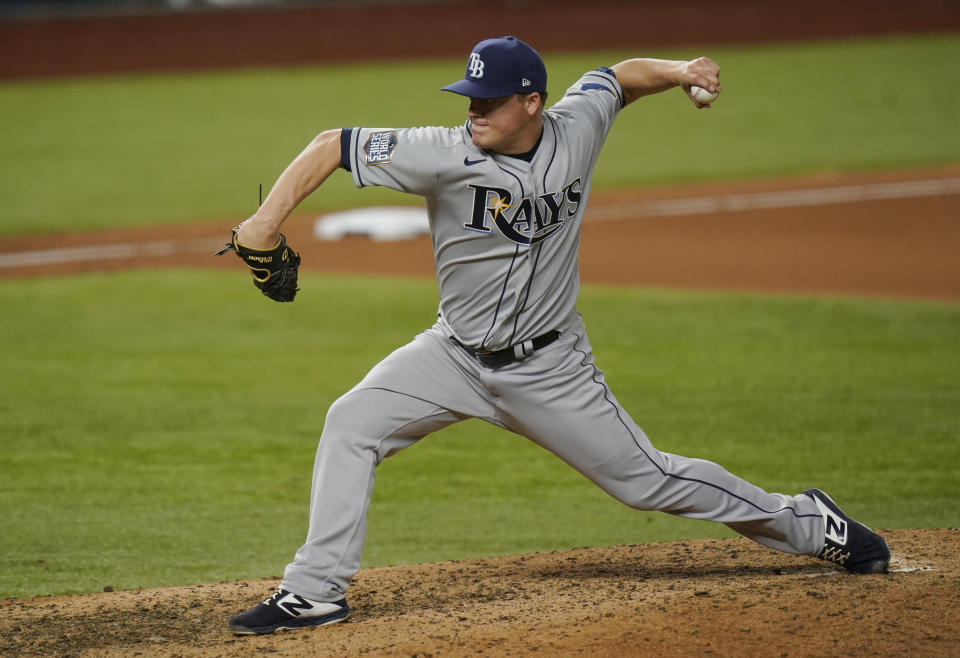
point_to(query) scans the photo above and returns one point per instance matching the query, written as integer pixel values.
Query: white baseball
(701, 95)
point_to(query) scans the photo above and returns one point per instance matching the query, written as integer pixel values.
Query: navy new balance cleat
(849, 543)
(287, 610)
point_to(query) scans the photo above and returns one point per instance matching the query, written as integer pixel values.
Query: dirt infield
(891, 234)
(708, 597)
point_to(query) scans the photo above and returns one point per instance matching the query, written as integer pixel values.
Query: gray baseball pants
(558, 399)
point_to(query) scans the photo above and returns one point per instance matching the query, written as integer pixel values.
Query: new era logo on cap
(500, 67)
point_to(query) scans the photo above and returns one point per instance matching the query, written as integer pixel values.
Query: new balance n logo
(836, 529)
(835, 526)
(292, 604)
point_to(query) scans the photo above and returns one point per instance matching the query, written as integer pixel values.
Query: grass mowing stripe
(116, 151)
(159, 426)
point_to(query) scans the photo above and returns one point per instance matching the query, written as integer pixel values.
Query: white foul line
(779, 199)
(105, 252)
(629, 210)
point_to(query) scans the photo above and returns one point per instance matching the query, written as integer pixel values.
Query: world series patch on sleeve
(379, 147)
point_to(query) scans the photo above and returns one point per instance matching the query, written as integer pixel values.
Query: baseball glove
(274, 270)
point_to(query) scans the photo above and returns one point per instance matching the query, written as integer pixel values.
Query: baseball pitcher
(506, 194)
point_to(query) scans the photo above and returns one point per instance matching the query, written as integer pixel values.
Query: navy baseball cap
(500, 67)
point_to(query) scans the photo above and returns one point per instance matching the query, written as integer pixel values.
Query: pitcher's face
(508, 124)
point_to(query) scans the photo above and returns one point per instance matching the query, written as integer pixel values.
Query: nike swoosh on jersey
(469, 163)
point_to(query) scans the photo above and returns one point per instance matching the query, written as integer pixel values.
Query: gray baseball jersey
(506, 231)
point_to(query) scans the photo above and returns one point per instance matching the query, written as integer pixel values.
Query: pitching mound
(682, 598)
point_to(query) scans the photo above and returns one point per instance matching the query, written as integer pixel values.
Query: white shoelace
(835, 555)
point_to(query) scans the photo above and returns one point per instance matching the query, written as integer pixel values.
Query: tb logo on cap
(475, 66)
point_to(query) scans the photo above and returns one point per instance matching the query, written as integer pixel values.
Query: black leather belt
(518, 352)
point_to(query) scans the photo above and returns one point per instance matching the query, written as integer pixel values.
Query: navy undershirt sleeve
(345, 134)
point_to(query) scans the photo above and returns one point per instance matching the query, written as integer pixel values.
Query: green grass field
(159, 426)
(133, 150)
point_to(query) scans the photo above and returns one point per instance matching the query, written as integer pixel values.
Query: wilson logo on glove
(274, 270)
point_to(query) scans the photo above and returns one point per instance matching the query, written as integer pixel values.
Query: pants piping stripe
(606, 396)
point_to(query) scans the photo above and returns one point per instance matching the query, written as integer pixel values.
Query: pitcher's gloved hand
(274, 270)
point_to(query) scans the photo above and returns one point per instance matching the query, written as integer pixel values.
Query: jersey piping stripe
(606, 396)
(523, 307)
(552, 155)
(503, 292)
(356, 151)
(523, 192)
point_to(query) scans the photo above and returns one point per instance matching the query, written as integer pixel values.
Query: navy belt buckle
(518, 352)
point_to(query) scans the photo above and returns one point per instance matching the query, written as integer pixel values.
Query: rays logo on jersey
(528, 221)
(379, 147)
